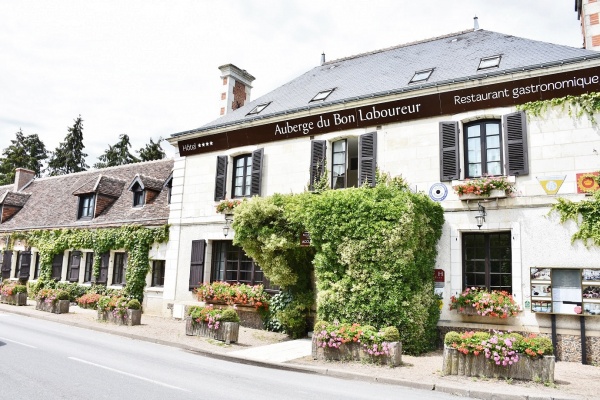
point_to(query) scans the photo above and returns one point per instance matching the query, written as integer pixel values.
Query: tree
(117, 154)
(26, 151)
(152, 151)
(69, 156)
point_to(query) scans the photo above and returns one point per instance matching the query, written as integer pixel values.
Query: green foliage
(391, 334)
(266, 233)
(25, 151)
(152, 151)
(117, 154)
(451, 337)
(290, 313)
(242, 294)
(69, 157)
(134, 304)
(229, 315)
(375, 254)
(137, 240)
(587, 103)
(62, 295)
(585, 213)
(212, 315)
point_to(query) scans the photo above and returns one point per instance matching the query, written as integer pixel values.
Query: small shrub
(20, 289)
(89, 300)
(451, 337)
(229, 315)
(134, 304)
(62, 295)
(391, 334)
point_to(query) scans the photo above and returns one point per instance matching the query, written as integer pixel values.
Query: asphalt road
(45, 360)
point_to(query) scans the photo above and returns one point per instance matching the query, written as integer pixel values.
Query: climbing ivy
(585, 213)
(587, 103)
(137, 240)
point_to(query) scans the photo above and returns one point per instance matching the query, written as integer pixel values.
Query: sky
(149, 68)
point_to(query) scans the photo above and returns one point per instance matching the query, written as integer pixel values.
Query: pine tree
(152, 151)
(26, 151)
(69, 156)
(117, 154)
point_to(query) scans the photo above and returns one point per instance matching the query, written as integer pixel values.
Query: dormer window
(258, 108)
(86, 206)
(321, 96)
(138, 195)
(169, 185)
(489, 62)
(421, 76)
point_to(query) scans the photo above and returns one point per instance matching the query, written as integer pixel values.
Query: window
(490, 148)
(487, 261)
(158, 273)
(231, 264)
(483, 148)
(169, 186)
(36, 271)
(489, 62)
(119, 267)
(321, 96)
(258, 108)
(23, 267)
(57, 262)
(73, 267)
(86, 206)
(246, 178)
(89, 267)
(421, 76)
(353, 161)
(138, 195)
(18, 265)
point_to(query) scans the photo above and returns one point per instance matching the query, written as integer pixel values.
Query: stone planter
(134, 317)
(527, 368)
(59, 307)
(228, 332)
(19, 299)
(130, 318)
(354, 352)
(494, 194)
(249, 316)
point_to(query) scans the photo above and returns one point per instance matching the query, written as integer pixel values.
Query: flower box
(354, 351)
(17, 299)
(227, 332)
(249, 315)
(130, 318)
(526, 368)
(56, 307)
(494, 194)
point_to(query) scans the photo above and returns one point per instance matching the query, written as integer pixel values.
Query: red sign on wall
(438, 275)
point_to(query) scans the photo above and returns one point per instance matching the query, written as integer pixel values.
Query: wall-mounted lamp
(480, 217)
(228, 221)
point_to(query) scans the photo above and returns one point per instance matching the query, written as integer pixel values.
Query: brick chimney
(237, 84)
(22, 177)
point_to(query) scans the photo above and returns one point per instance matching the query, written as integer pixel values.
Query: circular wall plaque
(438, 192)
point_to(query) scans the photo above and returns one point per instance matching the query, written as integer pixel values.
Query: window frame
(222, 261)
(488, 273)
(421, 76)
(344, 175)
(119, 268)
(483, 147)
(258, 109)
(322, 95)
(488, 62)
(88, 269)
(158, 273)
(138, 195)
(246, 176)
(87, 203)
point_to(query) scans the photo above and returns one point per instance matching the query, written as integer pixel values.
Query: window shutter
(367, 158)
(449, 151)
(197, 263)
(515, 143)
(75, 262)
(255, 183)
(6, 263)
(104, 260)
(25, 265)
(317, 161)
(221, 178)
(57, 267)
(124, 277)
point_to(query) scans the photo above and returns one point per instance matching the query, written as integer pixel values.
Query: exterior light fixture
(228, 221)
(480, 217)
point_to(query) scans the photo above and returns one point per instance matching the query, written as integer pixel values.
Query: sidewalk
(274, 350)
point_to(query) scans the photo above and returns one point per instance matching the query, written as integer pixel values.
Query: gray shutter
(449, 151)
(197, 263)
(74, 264)
(367, 158)
(25, 260)
(221, 178)
(515, 143)
(317, 161)
(57, 267)
(124, 278)
(104, 260)
(6, 264)
(255, 183)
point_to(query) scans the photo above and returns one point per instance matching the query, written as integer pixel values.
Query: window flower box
(493, 194)
(480, 302)
(484, 187)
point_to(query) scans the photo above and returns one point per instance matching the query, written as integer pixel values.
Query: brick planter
(527, 368)
(354, 352)
(19, 299)
(228, 332)
(58, 307)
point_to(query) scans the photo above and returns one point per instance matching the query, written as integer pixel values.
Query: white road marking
(128, 374)
(14, 341)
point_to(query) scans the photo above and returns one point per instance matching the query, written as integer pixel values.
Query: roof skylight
(489, 62)
(421, 76)
(258, 108)
(321, 96)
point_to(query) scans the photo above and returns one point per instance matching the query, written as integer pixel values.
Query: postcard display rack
(566, 292)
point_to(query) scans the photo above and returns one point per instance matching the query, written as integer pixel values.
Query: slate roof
(53, 201)
(13, 198)
(454, 57)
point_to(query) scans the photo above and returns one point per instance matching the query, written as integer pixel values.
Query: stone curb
(475, 394)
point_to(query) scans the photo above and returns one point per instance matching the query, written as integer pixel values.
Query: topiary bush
(391, 334)
(451, 337)
(134, 304)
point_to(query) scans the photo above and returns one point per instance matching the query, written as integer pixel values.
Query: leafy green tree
(117, 154)
(25, 151)
(69, 156)
(152, 151)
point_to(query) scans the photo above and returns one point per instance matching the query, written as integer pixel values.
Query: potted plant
(478, 301)
(219, 324)
(227, 206)
(52, 300)
(89, 300)
(13, 293)
(485, 186)
(134, 312)
(498, 354)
